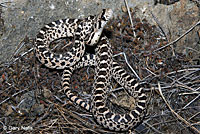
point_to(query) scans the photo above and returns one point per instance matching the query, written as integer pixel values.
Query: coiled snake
(88, 32)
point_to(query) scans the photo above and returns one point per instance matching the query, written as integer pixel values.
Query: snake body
(105, 69)
(88, 31)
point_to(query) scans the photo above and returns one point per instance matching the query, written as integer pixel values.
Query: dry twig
(171, 43)
(177, 115)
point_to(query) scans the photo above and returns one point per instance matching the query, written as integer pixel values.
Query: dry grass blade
(125, 57)
(12, 96)
(129, 14)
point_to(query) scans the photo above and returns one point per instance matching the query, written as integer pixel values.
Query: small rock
(47, 93)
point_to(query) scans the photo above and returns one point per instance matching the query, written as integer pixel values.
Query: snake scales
(88, 32)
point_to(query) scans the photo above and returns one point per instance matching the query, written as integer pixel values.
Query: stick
(171, 43)
(177, 115)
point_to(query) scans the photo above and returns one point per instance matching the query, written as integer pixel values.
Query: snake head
(99, 23)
